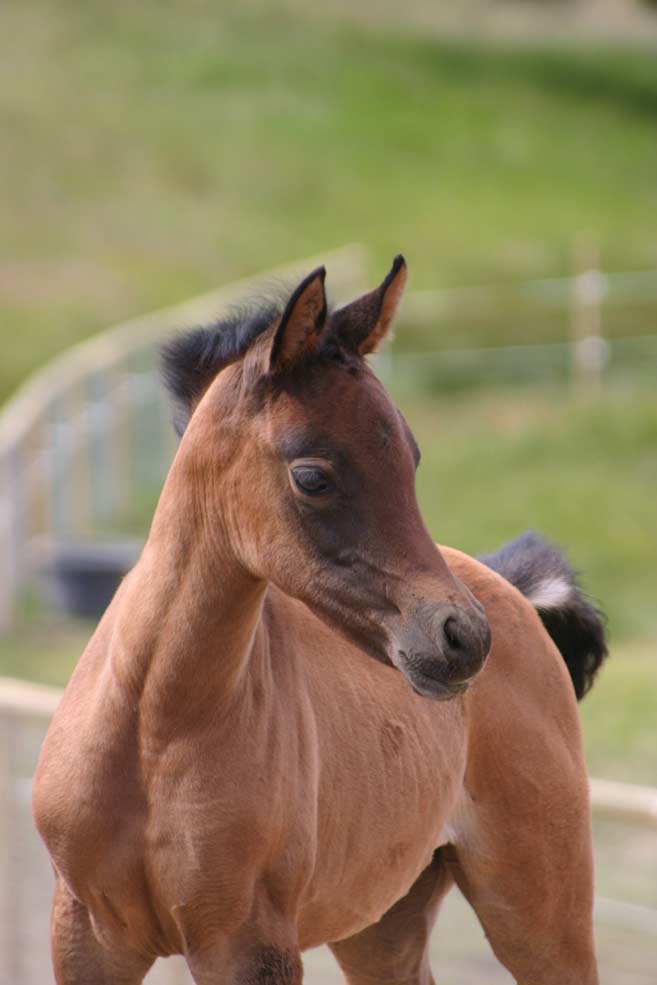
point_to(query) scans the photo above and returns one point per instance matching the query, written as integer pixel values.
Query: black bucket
(83, 577)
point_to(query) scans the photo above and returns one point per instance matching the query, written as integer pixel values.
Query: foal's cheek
(334, 535)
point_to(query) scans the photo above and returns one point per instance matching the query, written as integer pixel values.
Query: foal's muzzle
(443, 647)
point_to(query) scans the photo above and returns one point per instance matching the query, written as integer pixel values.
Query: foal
(285, 731)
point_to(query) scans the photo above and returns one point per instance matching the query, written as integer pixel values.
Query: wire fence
(581, 331)
(629, 360)
(88, 438)
(90, 433)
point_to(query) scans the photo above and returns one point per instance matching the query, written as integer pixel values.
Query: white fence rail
(92, 427)
(573, 329)
(90, 433)
(26, 879)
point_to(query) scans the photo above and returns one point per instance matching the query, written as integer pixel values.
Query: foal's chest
(382, 811)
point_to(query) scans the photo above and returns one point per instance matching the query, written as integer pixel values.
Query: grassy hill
(152, 150)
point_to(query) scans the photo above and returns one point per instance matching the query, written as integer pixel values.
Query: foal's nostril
(451, 631)
(468, 642)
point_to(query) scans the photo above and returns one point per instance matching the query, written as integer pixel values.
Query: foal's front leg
(78, 956)
(535, 905)
(522, 856)
(396, 949)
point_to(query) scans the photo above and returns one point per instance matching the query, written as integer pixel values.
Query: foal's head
(307, 468)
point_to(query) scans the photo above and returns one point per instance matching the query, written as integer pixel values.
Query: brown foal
(238, 770)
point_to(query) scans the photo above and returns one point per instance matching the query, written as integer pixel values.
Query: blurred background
(157, 157)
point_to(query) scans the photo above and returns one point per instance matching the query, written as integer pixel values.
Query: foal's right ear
(299, 331)
(362, 325)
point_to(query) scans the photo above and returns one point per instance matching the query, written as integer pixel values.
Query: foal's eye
(311, 480)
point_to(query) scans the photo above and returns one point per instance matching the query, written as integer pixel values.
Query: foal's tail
(544, 576)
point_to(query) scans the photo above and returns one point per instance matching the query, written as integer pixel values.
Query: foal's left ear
(362, 325)
(299, 331)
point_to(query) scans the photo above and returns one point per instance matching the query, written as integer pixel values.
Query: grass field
(151, 151)
(583, 472)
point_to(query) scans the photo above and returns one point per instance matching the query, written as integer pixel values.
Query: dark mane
(191, 361)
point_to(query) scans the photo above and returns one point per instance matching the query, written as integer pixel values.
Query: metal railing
(565, 329)
(89, 434)
(91, 429)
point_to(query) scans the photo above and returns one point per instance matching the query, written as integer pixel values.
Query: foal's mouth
(428, 687)
(426, 684)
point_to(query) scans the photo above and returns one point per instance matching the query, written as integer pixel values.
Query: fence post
(6, 927)
(590, 351)
(7, 588)
(8, 917)
(11, 533)
(69, 439)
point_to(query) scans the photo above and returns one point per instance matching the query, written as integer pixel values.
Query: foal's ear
(300, 329)
(362, 325)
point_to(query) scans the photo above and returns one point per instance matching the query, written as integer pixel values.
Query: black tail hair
(544, 576)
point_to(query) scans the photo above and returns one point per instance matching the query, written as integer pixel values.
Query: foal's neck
(189, 620)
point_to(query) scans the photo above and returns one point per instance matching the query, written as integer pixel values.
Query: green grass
(42, 651)
(583, 472)
(152, 150)
(618, 715)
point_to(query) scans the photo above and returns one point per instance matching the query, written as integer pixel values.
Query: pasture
(151, 152)
(133, 176)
